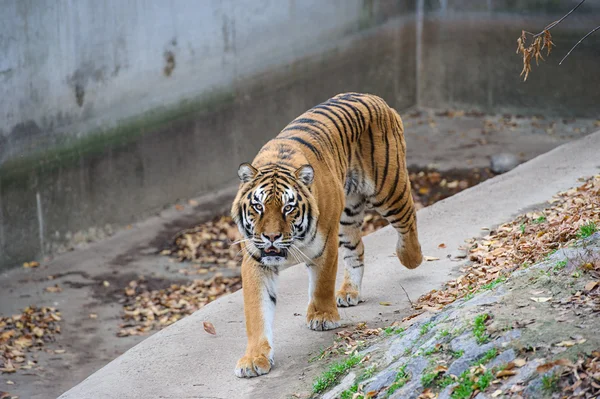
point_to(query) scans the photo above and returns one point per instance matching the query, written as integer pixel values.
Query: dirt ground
(92, 278)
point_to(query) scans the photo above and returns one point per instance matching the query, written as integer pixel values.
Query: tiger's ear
(305, 174)
(246, 172)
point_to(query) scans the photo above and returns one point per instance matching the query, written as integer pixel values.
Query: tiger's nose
(272, 236)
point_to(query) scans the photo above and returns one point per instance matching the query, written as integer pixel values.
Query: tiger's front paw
(253, 366)
(257, 361)
(347, 297)
(321, 320)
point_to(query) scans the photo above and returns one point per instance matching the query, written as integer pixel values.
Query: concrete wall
(113, 109)
(469, 61)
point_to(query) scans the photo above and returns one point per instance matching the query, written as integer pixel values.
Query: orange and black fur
(304, 195)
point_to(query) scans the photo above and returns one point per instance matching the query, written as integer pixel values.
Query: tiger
(304, 196)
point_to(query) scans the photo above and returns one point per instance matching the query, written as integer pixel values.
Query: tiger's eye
(258, 207)
(287, 208)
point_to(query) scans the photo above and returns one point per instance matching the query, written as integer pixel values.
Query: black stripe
(349, 246)
(339, 131)
(273, 298)
(304, 143)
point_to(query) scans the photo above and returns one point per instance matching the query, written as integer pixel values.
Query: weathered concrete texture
(183, 361)
(468, 58)
(139, 168)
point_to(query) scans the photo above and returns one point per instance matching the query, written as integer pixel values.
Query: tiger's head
(275, 212)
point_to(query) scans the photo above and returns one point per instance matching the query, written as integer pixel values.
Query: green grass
(428, 378)
(539, 220)
(349, 393)
(488, 356)
(469, 296)
(560, 265)
(444, 333)
(393, 330)
(425, 328)
(458, 354)
(587, 230)
(484, 380)
(522, 227)
(493, 284)
(444, 382)
(401, 379)
(368, 373)
(335, 371)
(429, 352)
(479, 330)
(550, 383)
(466, 386)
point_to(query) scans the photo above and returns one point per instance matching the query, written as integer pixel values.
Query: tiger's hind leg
(352, 250)
(402, 216)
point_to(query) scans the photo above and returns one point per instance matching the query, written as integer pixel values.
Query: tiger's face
(275, 212)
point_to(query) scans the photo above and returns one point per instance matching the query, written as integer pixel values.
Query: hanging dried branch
(541, 40)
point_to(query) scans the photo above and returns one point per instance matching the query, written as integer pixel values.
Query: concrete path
(182, 361)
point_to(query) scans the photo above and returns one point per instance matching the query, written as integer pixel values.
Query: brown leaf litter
(521, 242)
(145, 310)
(24, 333)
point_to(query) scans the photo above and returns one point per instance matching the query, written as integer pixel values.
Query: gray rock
(503, 358)
(447, 392)
(346, 383)
(503, 162)
(465, 342)
(487, 298)
(459, 366)
(400, 344)
(383, 379)
(416, 366)
(535, 386)
(409, 391)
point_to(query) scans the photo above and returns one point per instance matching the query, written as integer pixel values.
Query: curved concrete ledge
(182, 361)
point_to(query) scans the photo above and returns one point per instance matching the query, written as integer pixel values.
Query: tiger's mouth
(273, 252)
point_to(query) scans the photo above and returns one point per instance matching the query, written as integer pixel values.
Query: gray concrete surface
(183, 361)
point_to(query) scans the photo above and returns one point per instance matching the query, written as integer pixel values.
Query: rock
(346, 383)
(385, 378)
(401, 344)
(447, 392)
(503, 162)
(459, 365)
(503, 358)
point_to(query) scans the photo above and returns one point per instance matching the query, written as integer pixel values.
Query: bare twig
(412, 305)
(553, 24)
(543, 40)
(577, 44)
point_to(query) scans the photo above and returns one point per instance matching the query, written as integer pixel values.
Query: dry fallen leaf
(385, 303)
(568, 344)
(442, 245)
(591, 285)
(430, 258)
(520, 362)
(541, 299)
(93, 316)
(497, 393)
(209, 328)
(505, 373)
